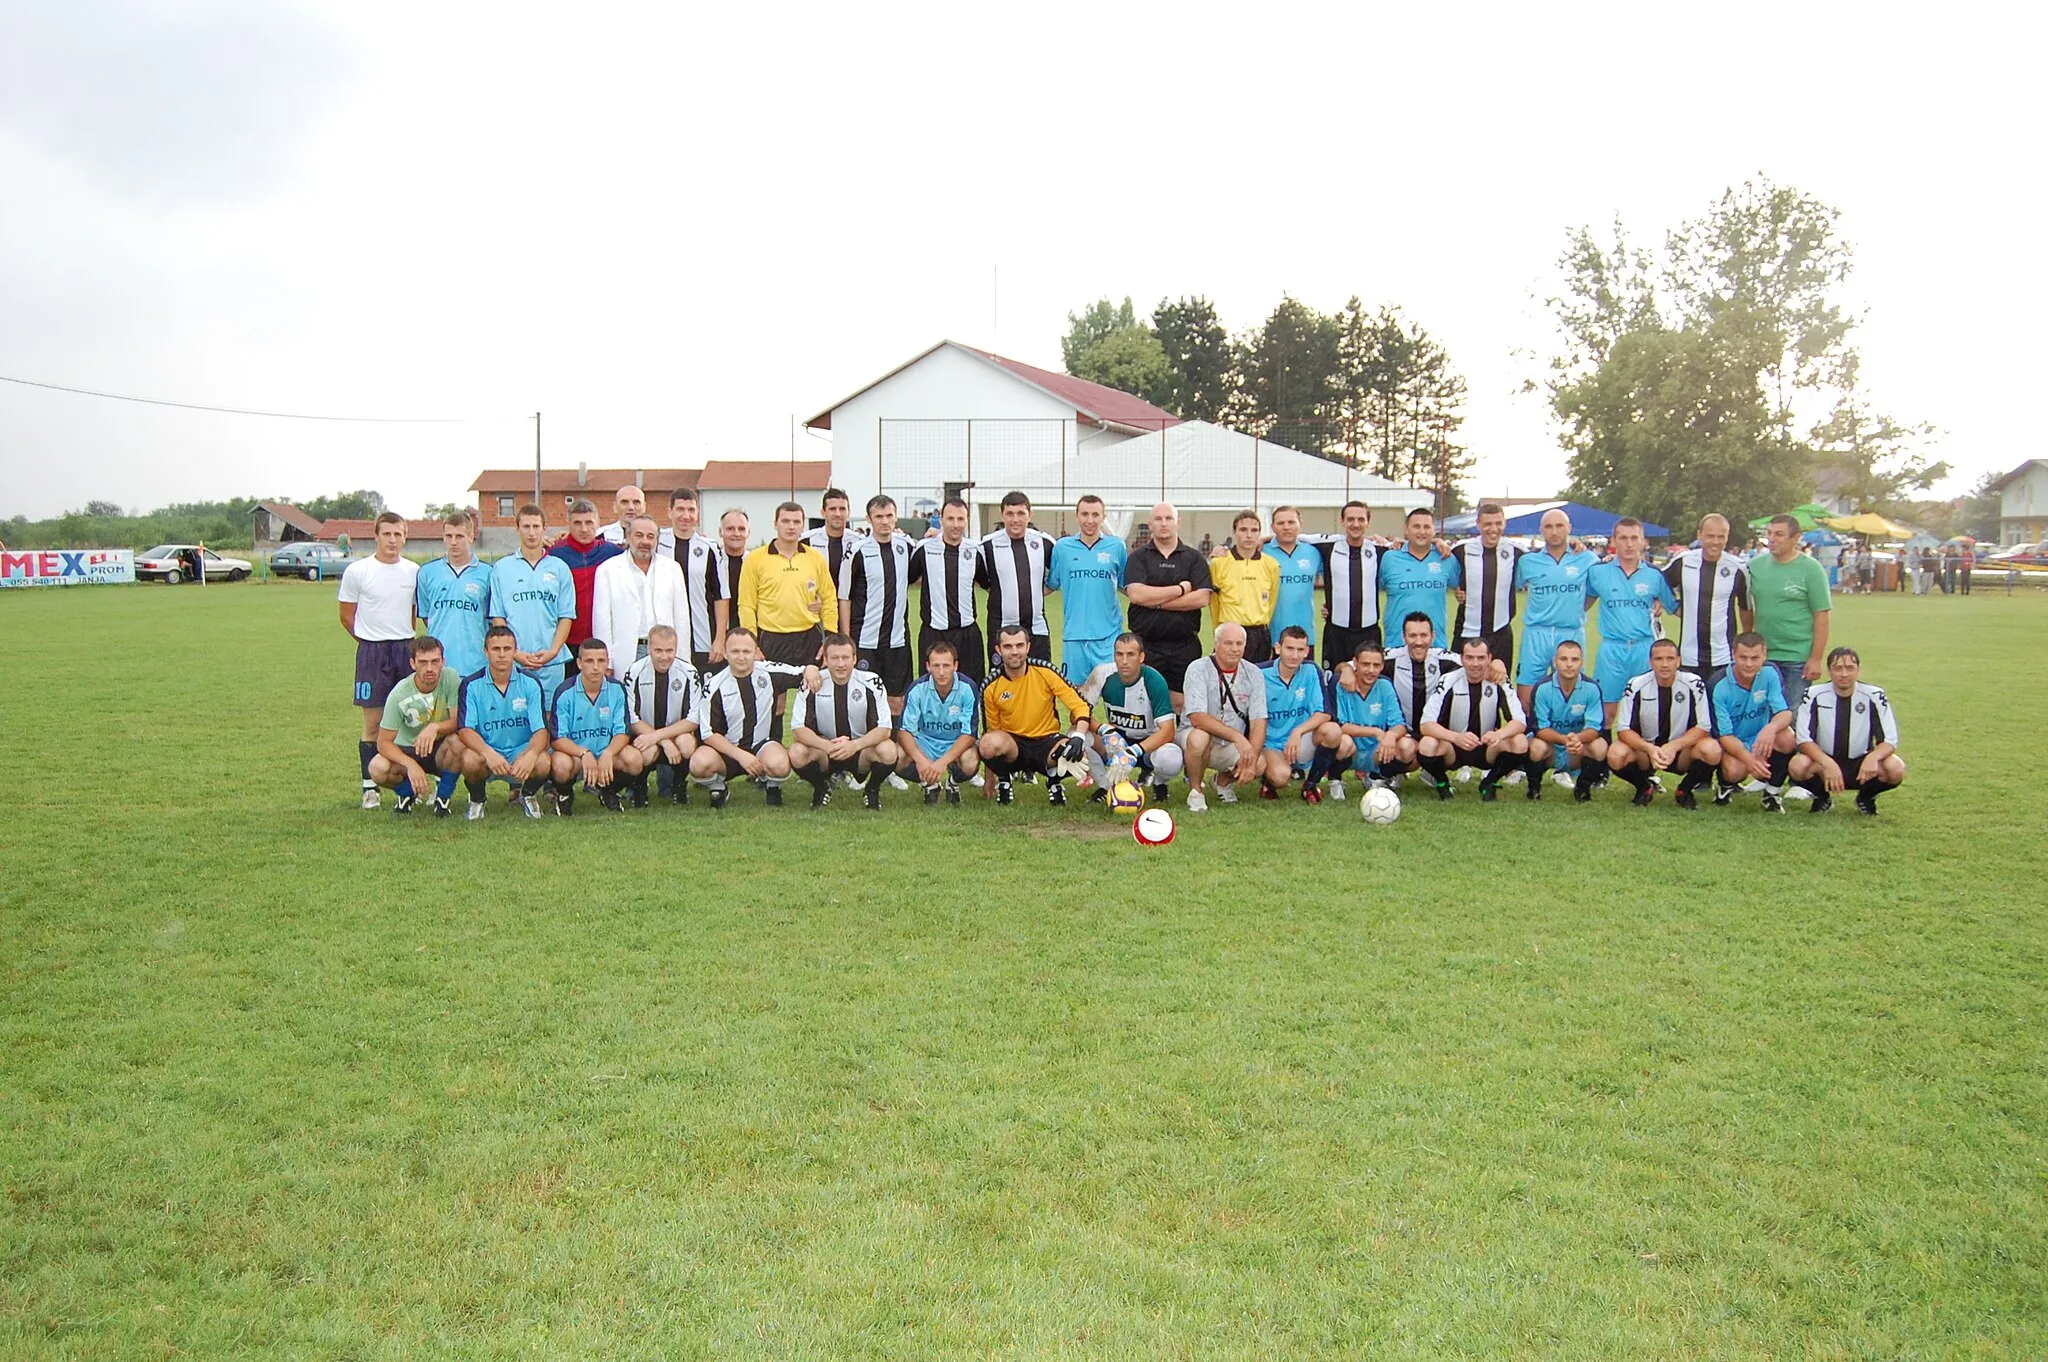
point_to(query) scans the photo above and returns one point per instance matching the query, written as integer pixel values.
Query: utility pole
(536, 460)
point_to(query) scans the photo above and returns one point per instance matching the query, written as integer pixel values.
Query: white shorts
(1222, 755)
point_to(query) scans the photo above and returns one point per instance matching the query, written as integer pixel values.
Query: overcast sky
(671, 229)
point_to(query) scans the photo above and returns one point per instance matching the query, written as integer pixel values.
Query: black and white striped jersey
(849, 711)
(729, 566)
(947, 571)
(1658, 714)
(1708, 596)
(1013, 570)
(1413, 680)
(1475, 707)
(1489, 578)
(835, 551)
(742, 709)
(1351, 576)
(1846, 727)
(703, 587)
(875, 580)
(659, 699)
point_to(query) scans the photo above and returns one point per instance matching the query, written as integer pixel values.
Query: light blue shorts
(1538, 650)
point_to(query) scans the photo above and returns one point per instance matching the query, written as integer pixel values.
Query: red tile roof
(596, 482)
(764, 475)
(1095, 401)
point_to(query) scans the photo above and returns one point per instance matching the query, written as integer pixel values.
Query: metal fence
(1208, 471)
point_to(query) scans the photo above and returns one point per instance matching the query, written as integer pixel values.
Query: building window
(505, 508)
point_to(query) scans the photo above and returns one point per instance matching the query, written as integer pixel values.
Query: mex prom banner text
(66, 567)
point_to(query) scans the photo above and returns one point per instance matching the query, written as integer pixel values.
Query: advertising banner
(66, 567)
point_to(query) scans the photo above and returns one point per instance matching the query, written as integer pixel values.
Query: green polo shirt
(1786, 596)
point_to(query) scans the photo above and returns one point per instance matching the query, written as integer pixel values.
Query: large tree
(1715, 373)
(1197, 348)
(361, 504)
(1107, 344)
(1287, 377)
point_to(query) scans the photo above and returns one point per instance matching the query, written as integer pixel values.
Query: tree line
(105, 524)
(1367, 387)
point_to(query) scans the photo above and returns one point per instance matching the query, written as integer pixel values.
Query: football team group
(635, 659)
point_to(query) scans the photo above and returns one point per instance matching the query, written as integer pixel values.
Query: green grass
(281, 1078)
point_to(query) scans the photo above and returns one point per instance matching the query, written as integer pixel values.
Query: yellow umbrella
(1868, 523)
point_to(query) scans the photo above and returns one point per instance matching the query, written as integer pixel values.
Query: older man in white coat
(634, 592)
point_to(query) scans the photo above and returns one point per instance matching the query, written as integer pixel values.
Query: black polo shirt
(1153, 568)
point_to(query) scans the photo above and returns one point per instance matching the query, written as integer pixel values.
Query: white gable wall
(951, 386)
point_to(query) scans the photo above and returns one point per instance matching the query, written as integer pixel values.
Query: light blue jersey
(1417, 584)
(1379, 707)
(1087, 576)
(532, 598)
(1290, 702)
(1742, 711)
(1557, 590)
(1625, 599)
(1568, 714)
(938, 721)
(456, 607)
(505, 719)
(1296, 603)
(590, 724)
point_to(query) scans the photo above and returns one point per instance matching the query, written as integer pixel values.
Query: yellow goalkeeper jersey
(1025, 705)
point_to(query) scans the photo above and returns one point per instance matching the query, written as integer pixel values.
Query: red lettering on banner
(24, 563)
(48, 564)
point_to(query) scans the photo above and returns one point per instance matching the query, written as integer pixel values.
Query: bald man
(628, 503)
(1712, 586)
(1168, 586)
(1556, 577)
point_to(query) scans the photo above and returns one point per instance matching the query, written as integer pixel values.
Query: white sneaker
(476, 810)
(976, 780)
(529, 806)
(1561, 780)
(1226, 794)
(1336, 788)
(1798, 792)
(1197, 801)
(1514, 777)
(1754, 787)
(896, 782)
(849, 780)
(1465, 776)
(372, 797)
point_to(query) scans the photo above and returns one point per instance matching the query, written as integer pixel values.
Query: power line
(242, 411)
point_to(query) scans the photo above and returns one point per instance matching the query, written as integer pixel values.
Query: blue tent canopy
(1585, 520)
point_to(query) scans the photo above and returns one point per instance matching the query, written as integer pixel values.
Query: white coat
(628, 602)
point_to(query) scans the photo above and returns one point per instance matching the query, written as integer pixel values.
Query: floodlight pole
(536, 459)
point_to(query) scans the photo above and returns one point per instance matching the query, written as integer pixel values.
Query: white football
(1380, 805)
(1153, 828)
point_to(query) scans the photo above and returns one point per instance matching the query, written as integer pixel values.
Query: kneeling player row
(1237, 723)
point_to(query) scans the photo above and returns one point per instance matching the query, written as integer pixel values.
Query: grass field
(282, 1078)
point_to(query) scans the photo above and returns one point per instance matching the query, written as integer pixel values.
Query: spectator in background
(1923, 571)
(1967, 563)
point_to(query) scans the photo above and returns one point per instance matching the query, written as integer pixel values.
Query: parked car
(310, 560)
(172, 564)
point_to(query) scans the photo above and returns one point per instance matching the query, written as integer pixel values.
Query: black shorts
(837, 767)
(1041, 651)
(1172, 657)
(702, 662)
(1501, 643)
(1340, 643)
(381, 663)
(967, 651)
(1258, 645)
(1033, 754)
(427, 763)
(733, 769)
(792, 650)
(892, 665)
(1459, 757)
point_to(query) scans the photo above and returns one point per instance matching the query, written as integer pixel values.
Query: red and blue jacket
(583, 561)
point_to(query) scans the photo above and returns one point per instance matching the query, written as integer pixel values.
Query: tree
(1097, 322)
(1672, 422)
(103, 509)
(1880, 458)
(1203, 373)
(1399, 400)
(442, 510)
(1738, 309)
(1108, 344)
(361, 504)
(1287, 377)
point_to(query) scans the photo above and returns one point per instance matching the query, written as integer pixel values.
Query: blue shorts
(381, 663)
(1539, 649)
(1368, 753)
(1080, 656)
(1619, 664)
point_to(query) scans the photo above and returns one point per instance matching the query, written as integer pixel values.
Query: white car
(172, 564)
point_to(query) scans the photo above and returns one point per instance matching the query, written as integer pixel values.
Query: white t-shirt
(383, 596)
